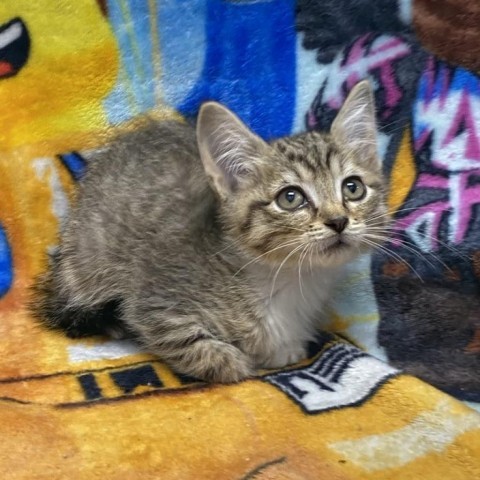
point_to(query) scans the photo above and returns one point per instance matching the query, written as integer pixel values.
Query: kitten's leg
(275, 354)
(190, 349)
(285, 355)
(269, 349)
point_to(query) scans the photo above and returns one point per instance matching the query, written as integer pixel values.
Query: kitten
(217, 251)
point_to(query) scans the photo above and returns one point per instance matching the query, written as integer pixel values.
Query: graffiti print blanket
(390, 391)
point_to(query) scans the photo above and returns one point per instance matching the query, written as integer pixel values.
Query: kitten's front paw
(285, 355)
(217, 362)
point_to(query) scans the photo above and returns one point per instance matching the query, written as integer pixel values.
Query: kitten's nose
(338, 223)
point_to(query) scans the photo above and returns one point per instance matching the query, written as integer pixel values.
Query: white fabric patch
(343, 376)
(45, 169)
(310, 76)
(430, 432)
(82, 352)
(354, 301)
(473, 405)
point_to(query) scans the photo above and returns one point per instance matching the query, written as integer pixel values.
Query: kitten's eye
(353, 189)
(291, 198)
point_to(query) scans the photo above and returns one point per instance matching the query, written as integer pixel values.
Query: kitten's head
(315, 196)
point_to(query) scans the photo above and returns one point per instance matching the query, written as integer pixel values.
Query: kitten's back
(152, 169)
(145, 194)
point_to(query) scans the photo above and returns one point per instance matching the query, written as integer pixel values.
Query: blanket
(390, 390)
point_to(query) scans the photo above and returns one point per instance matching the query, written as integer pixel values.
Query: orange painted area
(52, 105)
(230, 432)
(403, 174)
(28, 215)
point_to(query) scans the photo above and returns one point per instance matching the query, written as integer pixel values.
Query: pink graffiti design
(373, 55)
(447, 137)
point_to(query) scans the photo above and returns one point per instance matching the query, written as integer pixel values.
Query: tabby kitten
(217, 251)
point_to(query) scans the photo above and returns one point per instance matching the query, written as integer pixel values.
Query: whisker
(311, 255)
(256, 259)
(417, 253)
(441, 242)
(300, 263)
(233, 243)
(394, 231)
(391, 254)
(392, 213)
(280, 267)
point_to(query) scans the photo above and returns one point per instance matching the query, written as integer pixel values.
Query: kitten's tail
(54, 309)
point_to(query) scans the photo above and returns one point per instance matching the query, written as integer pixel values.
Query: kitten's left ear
(227, 147)
(355, 126)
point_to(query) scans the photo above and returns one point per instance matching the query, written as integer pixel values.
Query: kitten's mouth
(336, 245)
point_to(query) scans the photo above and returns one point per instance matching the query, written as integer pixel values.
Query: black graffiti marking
(128, 380)
(90, 386)
(262, 467)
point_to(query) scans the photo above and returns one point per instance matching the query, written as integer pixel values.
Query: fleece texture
(390, 391)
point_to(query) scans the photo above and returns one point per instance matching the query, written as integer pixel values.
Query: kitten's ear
(355, 126)
(227, 147)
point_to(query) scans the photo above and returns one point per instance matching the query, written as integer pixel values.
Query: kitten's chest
(294, 305)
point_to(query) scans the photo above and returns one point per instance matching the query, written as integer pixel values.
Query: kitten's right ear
(355, 126)
(227, 147)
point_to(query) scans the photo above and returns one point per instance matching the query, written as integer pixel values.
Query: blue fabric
(6, 265)
(250, 64)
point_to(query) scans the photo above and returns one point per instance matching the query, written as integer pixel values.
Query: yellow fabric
(174, 430)
(69, 72)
